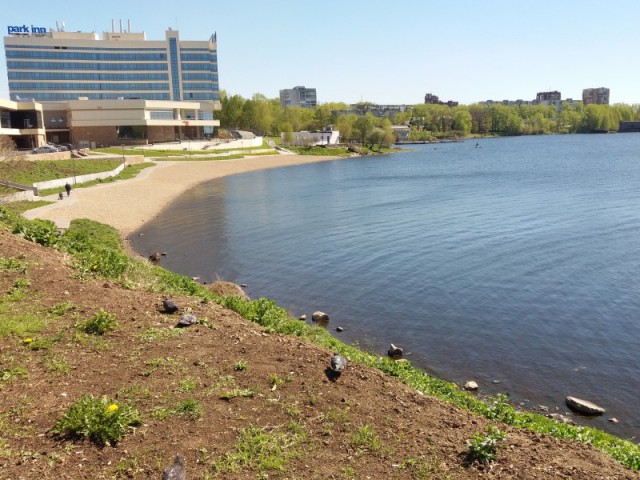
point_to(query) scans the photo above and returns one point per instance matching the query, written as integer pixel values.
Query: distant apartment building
(431, 99)
(548, 98)
(298, 97)
(598, 96)
(375, 109)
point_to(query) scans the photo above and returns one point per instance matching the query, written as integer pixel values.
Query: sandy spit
(128, 204)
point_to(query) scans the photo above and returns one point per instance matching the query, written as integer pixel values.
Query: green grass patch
(364, 438)
(484, 448)
(184, 151)
(28, 172)
(320, 151)
(130, 171)
(187, 385)
(100, 420)
(100, 324)
(237, 392)
(189, 408)
(240, 366)
(259, 449)
(60, 309)
(158, 334)
(12, 264)
(12, 372)
(22, 206)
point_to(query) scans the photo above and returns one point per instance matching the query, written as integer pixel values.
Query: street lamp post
(123, 160)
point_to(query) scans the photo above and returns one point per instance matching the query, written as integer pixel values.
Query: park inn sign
(25, 30)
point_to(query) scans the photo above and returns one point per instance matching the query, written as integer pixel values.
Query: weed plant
(237, 392)
(12, 264)
(100, 420)
(364, 438)
(260, 450)
(100, 324)
(484, 448)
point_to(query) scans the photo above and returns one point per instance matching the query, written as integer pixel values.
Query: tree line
(264, 116)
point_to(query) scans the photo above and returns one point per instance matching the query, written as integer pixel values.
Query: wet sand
(128, 204)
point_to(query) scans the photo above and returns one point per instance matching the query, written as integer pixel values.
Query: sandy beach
(127, 205)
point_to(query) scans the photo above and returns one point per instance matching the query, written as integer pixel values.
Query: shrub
(101, 323)
(39, 231)
(483, 448)
(100, 420)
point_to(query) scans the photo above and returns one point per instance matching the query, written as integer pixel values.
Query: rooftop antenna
(113, 26)
(129, 26)
(57, 27)
(120, 25)
(63, 25)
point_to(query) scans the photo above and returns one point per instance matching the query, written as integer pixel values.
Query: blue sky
(383, 51)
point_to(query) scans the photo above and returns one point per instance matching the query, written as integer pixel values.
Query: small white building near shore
(327, 136)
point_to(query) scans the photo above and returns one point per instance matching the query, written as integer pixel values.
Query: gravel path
(127, 205)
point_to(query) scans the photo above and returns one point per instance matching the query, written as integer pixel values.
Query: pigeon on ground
(395, 352)
(338, 363)
(175, 471)
(169, 306)
(187, 320)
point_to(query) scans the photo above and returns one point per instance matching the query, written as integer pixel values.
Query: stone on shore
(395, 352)
(227, 289)
(561, 418)
(303, 317)
(471, 386)
(320, 317)
(584, 406)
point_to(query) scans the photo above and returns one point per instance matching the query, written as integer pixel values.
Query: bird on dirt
(338, 363)
(187, 320)
(175, 471)
(169, 306)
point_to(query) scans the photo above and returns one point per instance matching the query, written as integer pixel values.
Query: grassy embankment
(29, 172)
(194, 155)
(98, 251)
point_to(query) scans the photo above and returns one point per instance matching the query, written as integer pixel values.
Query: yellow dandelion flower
(94, 267)
(28, 340)
(112, 408)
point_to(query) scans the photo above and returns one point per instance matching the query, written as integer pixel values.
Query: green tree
(363, 127)
(462, 120)
(231, 112)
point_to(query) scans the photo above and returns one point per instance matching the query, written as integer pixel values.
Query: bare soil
(418, 436)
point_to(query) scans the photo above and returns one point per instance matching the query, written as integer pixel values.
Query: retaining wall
(60, 182)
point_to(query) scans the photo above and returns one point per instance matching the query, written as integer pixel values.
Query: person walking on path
(67, 187)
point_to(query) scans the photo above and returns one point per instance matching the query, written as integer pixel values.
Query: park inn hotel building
(114, 90)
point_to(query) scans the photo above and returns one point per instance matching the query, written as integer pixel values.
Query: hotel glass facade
(58, 66)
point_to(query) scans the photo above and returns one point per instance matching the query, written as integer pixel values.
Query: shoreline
(129, 204)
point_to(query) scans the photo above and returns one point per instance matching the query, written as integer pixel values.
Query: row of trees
(265, 117)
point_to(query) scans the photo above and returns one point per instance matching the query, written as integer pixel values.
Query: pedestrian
(67, 187)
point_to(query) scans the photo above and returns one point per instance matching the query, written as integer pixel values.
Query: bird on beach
(338, 363)
(175, 471)
(169, 306)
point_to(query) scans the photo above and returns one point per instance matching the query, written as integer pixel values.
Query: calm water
(517, 262)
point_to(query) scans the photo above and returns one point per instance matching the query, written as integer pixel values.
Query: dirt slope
(402, 433)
